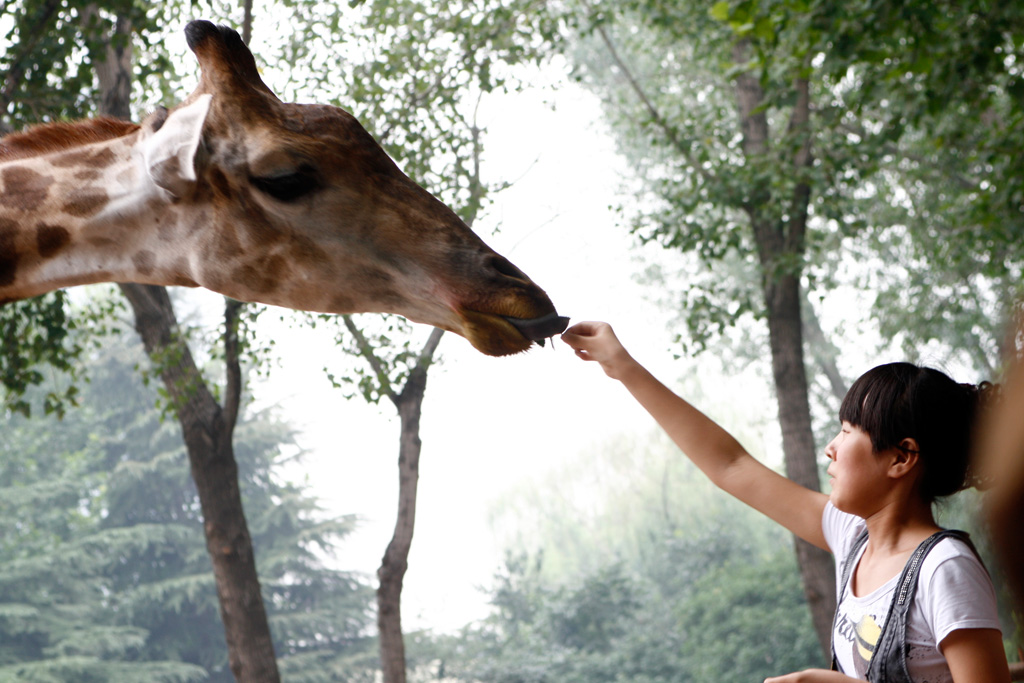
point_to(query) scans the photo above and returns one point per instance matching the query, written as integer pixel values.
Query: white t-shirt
(953, 592)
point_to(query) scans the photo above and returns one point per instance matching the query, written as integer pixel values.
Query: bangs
(878, 404)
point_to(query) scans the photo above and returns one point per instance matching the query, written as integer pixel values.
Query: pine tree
(104, 573)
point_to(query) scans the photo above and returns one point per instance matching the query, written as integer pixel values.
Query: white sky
(489, 423)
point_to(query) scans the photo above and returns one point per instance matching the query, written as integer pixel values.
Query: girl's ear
(906, 456)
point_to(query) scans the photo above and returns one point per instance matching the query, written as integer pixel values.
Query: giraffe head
(296, 205)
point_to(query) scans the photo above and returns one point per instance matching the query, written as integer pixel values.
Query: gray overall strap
(889, 663)
(889, 659)
(847, 568)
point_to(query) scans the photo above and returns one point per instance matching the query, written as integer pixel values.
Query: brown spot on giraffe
(101, 158)
(226, 246)
(199, 221)
(51, 238)
(264, 275)
(87, 157)
(75, 159)
(304, 250)
(182, 274)
(85, 202)
(88, 174)
(167, 231)
(24, 189)
(145, 261)
(375, 277)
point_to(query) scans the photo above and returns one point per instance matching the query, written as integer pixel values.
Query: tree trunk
(206, 427)
(395, 562)
(780, 246)
(396, 558)
(785, 338)
(207, 430)
(823, 352)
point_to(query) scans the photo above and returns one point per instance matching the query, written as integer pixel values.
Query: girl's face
(858, 473)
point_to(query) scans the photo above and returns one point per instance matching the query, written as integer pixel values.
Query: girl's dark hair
(897, 401)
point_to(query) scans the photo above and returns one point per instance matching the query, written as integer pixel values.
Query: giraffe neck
(83, 215)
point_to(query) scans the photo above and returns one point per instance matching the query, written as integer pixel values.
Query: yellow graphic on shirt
(867, 631)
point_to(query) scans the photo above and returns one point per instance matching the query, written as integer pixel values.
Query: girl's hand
(596, 341)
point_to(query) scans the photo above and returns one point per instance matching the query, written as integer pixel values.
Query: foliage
(788, 149)
(32, 334)
(668, 580)
(46, 78)
(103, 567)
(915, 190)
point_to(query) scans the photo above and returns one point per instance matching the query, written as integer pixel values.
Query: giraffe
(233, 190)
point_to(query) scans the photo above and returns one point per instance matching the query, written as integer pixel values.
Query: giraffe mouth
(540, 329)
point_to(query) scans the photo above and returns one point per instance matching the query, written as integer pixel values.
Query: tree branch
(800, 128)
(823, 351)
(232, 365)
(247, 22)
(26, 44)
(652, 111)
(366, 351)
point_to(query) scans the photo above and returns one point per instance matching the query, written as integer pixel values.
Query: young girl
(904, 441)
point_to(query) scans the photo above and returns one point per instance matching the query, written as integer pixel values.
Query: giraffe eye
(288, 187)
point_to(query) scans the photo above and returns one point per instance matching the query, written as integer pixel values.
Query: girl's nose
(830, 449)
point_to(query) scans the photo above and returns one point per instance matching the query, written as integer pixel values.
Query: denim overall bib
(889, 659)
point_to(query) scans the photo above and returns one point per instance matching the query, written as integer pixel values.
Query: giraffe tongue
(539, 329)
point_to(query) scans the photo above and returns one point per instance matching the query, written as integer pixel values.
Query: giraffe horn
(223, 57)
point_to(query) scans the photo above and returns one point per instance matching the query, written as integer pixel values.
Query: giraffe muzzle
(539, 329)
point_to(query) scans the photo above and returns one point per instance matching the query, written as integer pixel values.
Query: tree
(425, 71)
(106, 33)
(726, 114)
(207, 426)
(784, 142)
(664, 580)
(938, 90)
(207, 423)
(103, 554)
(408, 402)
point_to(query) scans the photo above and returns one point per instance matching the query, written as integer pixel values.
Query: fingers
(585, 338)
(585, 334)
(586, 328)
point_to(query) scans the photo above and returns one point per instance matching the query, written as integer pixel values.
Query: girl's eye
(290, 186)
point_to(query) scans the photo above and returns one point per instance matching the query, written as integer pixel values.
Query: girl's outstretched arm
(710, 447)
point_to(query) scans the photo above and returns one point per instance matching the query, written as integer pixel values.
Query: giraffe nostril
(506, 268)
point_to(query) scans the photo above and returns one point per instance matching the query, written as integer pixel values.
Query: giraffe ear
(170, 151)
